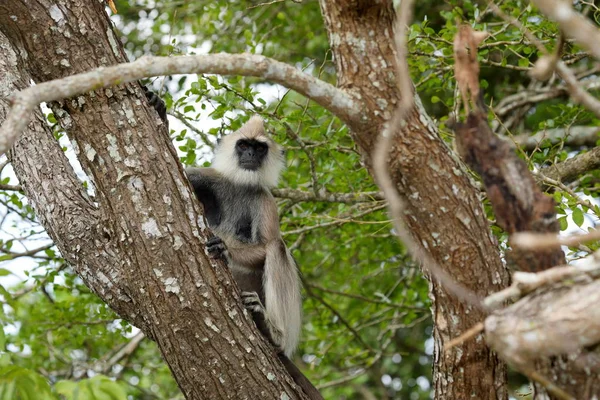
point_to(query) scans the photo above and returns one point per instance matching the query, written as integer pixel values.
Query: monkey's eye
(261, 149)
(242, 146)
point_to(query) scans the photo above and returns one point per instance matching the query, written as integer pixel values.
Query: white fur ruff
(225, 159)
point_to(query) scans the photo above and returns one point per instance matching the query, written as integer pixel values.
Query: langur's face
(251, 153)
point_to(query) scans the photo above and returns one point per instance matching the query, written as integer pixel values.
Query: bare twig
(325, 94)
(572, 23)
(577, 92)
(125, 351)
(347, 198)
(533, 241)
(526, 282)
(467, 335)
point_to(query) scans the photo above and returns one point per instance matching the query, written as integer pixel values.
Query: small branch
(526, 282)
(184, 120)
(365, 299)
(533, 375)
(325, 94)
(335, 222)
(29, 289)
(467, 335)
(347, 198)
(16, 188)
(123, 352)
(533, 241)
(577, 92)
(574, 136)
(28, 253)
(572, 24)
(570, 169)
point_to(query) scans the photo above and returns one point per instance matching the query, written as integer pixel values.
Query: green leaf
(577, 216)
(21, 383)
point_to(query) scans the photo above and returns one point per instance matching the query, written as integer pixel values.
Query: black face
(251, 153)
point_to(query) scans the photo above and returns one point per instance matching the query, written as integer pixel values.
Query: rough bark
(139, 243)
(518, 203)
(545, 325)
(443, 211)
(559, 320)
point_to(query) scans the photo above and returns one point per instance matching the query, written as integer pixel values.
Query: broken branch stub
(518, 203)
(561, 319)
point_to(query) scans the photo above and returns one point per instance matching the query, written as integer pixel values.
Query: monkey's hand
(156, 102)
(217, 249)
(253, 304)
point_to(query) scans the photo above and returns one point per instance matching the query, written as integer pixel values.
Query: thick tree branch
(325, 94)
(569, 170)
(574, 136)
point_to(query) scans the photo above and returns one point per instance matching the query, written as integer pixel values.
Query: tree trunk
(139, 243)
(443, 211)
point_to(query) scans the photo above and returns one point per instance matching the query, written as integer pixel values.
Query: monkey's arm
(202, 181)
(250, 256)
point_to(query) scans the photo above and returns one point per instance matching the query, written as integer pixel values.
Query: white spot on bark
(284, 396)
(104, 279)
(90, 153)
(208, 322)
(57, 15)
(271, 376)
(130, 115)
(113, 149)
(434, 166)
(177, 242)
(464, 219)
(172, 285)
(113, 42)
(158, 273)
(65, 63)
(150, 228)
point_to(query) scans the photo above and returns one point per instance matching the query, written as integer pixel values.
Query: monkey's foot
(216, 248)
(253, 304)
(156, 102)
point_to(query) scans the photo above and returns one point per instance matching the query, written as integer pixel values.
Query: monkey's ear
(283, 153)
(219, 140)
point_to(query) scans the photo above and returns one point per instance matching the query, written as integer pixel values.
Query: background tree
(367, 328)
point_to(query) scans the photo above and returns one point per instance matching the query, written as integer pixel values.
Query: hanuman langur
(242, 213)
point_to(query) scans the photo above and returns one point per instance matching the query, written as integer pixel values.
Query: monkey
(242, 213)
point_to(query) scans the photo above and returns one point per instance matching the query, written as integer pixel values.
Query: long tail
(283, 302)
(300, 379)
